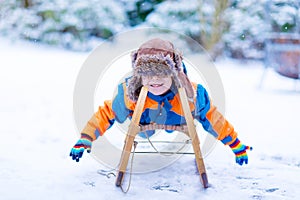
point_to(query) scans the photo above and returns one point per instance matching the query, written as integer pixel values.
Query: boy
(157, 65)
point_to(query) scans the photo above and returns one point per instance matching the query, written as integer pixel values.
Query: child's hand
(85, 142)
(240, 152)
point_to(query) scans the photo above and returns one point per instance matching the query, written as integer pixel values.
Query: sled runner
(134, 128)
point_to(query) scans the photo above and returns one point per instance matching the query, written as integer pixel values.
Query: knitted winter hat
(157, 57)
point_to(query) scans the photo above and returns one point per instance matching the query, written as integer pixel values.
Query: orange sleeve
(220, 126)
(211, 119)
(102, 120)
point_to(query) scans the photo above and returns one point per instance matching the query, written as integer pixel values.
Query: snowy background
(37, 79)
(233, 27)
(38, 131)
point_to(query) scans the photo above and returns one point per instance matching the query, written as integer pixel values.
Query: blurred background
(44, 43)
(233, 28)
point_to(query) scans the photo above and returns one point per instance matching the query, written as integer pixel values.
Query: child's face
(157, 85)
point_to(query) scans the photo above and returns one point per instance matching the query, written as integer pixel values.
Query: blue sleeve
(202, 103)
(119, 106)
(202, 107)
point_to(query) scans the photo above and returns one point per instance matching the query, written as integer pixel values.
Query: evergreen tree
(200, 19)
(284, 15)
(67, 23)
(250, 22)
(244, 37)
(138, 10)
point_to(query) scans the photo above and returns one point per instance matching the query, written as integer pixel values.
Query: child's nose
(155, 77)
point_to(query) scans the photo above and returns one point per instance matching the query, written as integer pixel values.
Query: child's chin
(157, 91)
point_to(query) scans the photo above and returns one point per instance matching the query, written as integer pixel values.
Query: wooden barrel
(283, 54)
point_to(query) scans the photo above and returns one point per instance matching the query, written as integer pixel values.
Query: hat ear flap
(134, 87)
(178, 60)
(133, 57)
(186, 84)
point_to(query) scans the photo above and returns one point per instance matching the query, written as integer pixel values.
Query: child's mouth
(156, 85)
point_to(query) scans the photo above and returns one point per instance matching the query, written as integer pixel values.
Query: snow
(37, 132)
(181, 13)
(59, 22)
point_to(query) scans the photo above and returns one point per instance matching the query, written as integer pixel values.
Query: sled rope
(131, 165)
(166, 153)
(106, 173)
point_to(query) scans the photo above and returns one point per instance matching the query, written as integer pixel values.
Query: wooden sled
(135, 128)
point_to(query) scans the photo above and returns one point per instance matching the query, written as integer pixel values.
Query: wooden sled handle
(193, 135)
(133, 130)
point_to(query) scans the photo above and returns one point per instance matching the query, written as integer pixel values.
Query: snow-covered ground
(37, 132)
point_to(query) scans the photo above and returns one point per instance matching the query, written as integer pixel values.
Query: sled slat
(193, 135)
(133, 130)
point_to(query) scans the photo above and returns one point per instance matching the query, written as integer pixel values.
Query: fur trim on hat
(154, 65)
(156, 57)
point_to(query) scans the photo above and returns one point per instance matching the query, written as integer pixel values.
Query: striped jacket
(163, 109)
